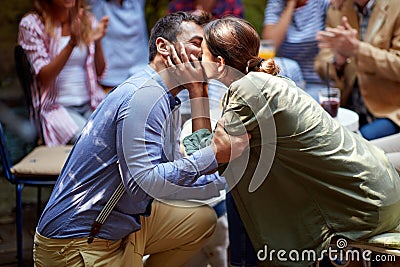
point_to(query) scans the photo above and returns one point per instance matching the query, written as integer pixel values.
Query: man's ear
(162, 46)
(221, 64)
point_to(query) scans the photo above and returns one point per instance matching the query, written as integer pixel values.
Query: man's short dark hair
(168, 27)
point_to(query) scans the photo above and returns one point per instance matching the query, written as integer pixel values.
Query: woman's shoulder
(30, 20)
(260, 79)
(254, 83)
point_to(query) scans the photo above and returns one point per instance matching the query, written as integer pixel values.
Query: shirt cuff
(205, 159)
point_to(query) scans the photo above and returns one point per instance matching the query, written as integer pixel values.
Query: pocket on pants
(47, 258)
(131, 257)
(111, 255)
(87, 258)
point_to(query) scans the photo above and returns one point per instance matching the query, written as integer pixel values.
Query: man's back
(90, 176)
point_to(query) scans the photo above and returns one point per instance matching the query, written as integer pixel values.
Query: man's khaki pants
(170, 235)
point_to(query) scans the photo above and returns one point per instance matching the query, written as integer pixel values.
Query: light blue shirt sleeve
(273, 11)
(325, 5)
(144, 137)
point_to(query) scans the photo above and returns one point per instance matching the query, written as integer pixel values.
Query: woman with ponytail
(62, 42)
(306, 179)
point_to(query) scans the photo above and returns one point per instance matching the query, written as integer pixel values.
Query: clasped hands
(97, 33)
(343, 40)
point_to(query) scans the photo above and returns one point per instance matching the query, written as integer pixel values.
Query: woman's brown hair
(238, 43)
(45, 9)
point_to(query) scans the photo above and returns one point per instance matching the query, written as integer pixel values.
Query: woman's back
(323, 180)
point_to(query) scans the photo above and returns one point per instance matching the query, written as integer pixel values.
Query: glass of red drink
(329, 98)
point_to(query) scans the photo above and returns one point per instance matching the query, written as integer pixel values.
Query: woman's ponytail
(261, 65)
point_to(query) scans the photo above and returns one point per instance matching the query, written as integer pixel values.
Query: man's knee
(206, 219)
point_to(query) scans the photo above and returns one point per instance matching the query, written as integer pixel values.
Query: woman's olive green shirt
(319, 180)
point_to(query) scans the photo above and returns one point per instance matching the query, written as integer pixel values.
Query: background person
(292, 25)
(125, 45)
(362, 36)
(62, 42)
(218, 8)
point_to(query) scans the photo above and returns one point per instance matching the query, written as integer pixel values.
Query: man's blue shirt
(132, 137)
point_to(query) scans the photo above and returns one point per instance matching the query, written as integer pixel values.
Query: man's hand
(228, 147)
(343, 39)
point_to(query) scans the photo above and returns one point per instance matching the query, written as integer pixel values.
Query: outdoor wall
(10, 14)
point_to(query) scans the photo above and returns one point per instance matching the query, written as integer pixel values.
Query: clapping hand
(343, 39)
(101, 29)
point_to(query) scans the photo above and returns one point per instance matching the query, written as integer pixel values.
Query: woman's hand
(186, 72)
(101, 29)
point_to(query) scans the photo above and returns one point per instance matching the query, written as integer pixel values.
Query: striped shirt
(300, 44)
(57, 126)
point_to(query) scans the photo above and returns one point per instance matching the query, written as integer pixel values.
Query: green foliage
(155, 9)
(10, 15)
(254, 12)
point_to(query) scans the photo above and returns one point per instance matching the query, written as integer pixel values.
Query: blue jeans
(379, 128)
(241, 250)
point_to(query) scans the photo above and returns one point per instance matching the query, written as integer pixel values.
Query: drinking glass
(329, 98)
(267, 49)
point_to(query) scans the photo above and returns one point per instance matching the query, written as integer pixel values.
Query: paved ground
(8, 246)
(8, 250)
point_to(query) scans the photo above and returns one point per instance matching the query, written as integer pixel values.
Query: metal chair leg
(19, 188)
(39, 202)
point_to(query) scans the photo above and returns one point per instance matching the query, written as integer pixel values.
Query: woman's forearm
(277, 32)
(49, 72)
(200, 109)
(99, 60)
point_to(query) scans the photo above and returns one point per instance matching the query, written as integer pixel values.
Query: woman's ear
(221, 64)
(162, 46)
